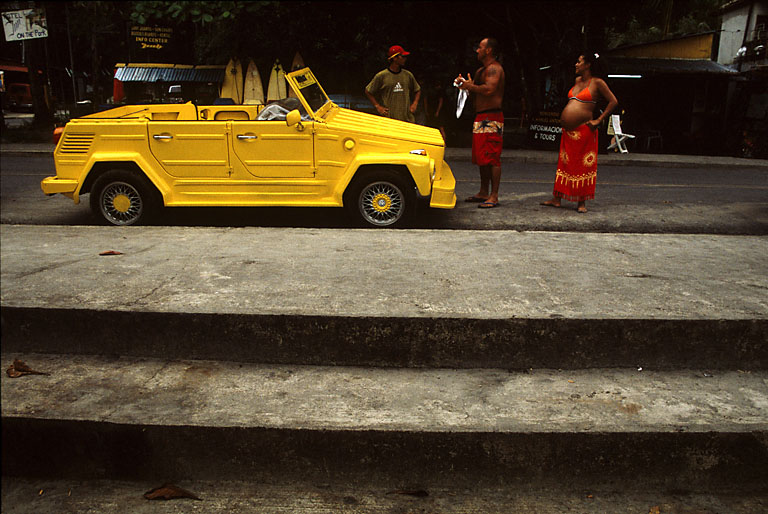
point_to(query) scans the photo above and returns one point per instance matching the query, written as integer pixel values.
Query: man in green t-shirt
(391, 89)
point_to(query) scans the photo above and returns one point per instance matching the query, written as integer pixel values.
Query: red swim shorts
(487, 138)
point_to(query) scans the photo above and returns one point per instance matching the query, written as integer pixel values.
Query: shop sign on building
(26, 24)
(544, 130)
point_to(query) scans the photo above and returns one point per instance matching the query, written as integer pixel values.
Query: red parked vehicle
(19, 97)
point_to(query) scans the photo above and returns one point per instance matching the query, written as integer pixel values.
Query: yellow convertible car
(300, 152)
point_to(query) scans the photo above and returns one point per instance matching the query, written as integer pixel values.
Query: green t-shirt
(395, 91)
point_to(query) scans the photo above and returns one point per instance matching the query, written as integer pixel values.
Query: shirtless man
(488, 128)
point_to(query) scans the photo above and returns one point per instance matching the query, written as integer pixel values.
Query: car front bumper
(54, 185)
(444, 189)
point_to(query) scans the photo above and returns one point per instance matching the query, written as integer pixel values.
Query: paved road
(716, 200)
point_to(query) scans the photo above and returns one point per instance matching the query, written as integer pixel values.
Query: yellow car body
(187, 155)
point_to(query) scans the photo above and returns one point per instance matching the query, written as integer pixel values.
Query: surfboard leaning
(253, 90)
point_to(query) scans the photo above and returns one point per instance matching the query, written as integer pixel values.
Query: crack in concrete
(25, 274)
(166, 364)
(152, 292)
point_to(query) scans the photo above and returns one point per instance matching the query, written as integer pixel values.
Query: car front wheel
(382, 200)
(123, 198)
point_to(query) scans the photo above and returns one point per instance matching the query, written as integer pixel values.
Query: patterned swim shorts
(487, 134)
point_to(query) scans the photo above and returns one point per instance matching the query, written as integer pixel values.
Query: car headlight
(419, 152)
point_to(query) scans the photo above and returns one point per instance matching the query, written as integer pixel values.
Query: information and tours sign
(151, 38)
(544, 130)
(26, 24)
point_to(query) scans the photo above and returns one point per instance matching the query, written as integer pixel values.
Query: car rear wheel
(381, 199)
(121, 197)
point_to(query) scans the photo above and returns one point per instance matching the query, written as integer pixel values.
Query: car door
(273, 150)
(191, 149)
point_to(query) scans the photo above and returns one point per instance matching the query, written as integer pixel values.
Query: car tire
(381, 199)
(122, 197)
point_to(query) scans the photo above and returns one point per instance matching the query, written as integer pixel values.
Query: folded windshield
(311, 90)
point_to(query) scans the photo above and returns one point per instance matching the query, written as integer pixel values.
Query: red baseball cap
(396, 50)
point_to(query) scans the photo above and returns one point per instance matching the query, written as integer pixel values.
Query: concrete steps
(455, 342)
(137, 419)
(350, 364)
(388, 298)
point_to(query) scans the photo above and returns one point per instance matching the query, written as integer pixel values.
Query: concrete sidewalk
(403, 273)
(519, 155)
(390, 297)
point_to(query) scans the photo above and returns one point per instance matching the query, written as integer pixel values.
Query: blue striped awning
(147, 74)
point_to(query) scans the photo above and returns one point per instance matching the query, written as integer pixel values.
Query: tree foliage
(195, 11)
(662, 19)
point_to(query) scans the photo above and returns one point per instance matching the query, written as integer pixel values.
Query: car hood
(347, 119)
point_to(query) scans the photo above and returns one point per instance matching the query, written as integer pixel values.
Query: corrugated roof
(643, 66)
(186, 74)
(734, 4)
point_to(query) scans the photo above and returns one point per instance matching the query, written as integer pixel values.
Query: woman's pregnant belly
(575, 113)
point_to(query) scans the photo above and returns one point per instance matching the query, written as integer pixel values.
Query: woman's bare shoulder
(600, 82)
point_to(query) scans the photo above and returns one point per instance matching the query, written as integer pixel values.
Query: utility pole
(746, 32)
(71, 58)
(667, 21)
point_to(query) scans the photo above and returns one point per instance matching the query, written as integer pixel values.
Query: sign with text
(151, 38)
(26, 24)
(544, 130)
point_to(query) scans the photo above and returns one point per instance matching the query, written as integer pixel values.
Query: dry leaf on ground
(111, 252)
(19, 369)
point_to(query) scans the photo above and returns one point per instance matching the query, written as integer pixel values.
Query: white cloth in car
(273, 112)
(276, 112)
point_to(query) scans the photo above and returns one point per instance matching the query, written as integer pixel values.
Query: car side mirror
(294, 118)
(174, 90)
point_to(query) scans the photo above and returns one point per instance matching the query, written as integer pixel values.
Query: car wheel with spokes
(381, 199)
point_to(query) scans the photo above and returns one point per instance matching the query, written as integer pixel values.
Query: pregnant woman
(577, 164)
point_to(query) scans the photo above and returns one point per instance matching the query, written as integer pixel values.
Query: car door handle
(163, 137)
(243, 136)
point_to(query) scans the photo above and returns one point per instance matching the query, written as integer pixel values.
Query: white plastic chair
(614, 129)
